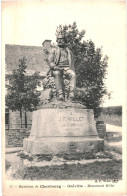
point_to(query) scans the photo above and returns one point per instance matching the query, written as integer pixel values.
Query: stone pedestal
(69, 130)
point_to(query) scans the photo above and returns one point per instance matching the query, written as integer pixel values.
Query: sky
(31, 22)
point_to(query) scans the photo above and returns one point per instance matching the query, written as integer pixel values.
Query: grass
(112, 119)
(110, 170)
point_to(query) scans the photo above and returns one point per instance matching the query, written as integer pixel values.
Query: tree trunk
(25, 120)
(21, 116)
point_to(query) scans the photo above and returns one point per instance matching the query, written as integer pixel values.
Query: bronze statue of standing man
(62, 65)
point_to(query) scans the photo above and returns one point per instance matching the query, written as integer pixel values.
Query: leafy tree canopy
(21, 90)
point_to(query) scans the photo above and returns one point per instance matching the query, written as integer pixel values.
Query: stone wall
(14, 137)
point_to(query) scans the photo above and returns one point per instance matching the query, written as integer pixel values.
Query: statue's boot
(60, 96)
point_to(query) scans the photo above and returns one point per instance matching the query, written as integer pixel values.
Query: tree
(90, 67)
(21, 90)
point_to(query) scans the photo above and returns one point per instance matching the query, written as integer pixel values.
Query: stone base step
(67, 145)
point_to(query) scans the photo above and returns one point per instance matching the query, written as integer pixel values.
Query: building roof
(34, 54)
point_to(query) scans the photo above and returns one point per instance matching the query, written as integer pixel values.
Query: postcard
(64, 98)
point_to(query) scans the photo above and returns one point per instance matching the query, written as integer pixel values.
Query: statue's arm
(71, 59)
(51, 58)
(73, 67)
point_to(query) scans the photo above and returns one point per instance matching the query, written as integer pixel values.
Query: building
(36, 62)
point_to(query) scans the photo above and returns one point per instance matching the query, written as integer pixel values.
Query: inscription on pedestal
(60, 123)
(71, 122)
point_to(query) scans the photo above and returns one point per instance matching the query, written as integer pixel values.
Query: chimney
(46, 44)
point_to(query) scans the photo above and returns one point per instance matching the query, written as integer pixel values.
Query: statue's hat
(60, 32)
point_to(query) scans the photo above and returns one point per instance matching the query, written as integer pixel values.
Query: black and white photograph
(64, 98)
